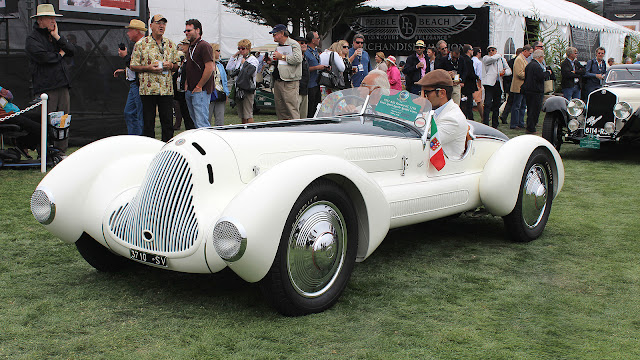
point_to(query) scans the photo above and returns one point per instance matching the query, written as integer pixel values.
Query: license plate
(148, 258)
(590, 143)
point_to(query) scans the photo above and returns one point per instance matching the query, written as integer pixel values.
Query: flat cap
(436, 78)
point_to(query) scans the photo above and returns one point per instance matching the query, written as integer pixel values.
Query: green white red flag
(436, 155)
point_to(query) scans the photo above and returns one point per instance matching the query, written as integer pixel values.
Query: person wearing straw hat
(133, 107)
(47, 51)
(393, 74)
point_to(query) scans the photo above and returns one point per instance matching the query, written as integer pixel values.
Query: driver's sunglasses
(426, 92)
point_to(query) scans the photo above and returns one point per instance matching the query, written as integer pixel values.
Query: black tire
(297, 283)
(529, 217)
(99, 256)
(552, 130)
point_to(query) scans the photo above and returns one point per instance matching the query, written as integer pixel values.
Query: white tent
(507, 19)
(219, 25)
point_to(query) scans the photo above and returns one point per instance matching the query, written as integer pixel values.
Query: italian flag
(436, 155)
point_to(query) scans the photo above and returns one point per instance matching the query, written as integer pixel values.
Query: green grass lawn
(455, 289)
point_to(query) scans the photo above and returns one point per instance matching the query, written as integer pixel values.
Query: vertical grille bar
(163, 207)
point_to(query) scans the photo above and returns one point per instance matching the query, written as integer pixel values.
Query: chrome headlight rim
(43, 197)
(609, 127)
(576, 107)
(622, 110)
(573, 125)
(224, 247)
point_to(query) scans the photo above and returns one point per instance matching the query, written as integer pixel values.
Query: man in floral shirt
(154, 58)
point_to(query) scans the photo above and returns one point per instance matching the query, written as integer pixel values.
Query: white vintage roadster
(290, 204)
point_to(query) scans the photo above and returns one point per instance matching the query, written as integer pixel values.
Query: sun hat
(136, 25)
(391, 59)
(45, 10)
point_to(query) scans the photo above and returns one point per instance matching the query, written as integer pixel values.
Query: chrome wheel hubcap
(317, 249)
(534, 195)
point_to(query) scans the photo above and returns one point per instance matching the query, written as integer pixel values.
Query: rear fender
(502, 175)
(263, 206)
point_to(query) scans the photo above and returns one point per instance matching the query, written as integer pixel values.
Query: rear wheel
(529, 217)
(316, 254)
(552, 130)
(99, 256)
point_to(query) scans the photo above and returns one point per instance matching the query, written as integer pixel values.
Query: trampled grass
(455, 289)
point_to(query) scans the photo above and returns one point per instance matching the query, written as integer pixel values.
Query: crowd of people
(189, 80)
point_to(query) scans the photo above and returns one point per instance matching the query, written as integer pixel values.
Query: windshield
(623, 75)
(395, 104)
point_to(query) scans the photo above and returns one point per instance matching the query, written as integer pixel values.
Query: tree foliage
(304, 15)
(587, 4)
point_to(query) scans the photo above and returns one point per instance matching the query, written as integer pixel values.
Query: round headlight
(229, 239)
(573, 125)
(575, 107)
(622, 110)
(42, 207)
(609, 127)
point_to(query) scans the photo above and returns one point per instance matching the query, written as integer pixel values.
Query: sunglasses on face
(359, 42)
(426, 92)
(241, 48)
(161, 22)
(218, 50)
(345, 47)
(188, 30)
(419, 47)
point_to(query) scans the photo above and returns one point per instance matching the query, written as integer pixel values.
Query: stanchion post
(43, 134)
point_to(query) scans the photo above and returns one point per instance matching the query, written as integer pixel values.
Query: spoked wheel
(552, 130)
(316, 254)
(529, 217)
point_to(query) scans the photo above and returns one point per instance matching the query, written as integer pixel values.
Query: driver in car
(437, 87)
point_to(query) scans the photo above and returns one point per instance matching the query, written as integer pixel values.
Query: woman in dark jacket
(533, 88)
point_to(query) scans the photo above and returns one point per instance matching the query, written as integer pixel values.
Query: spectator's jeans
(492, 97)
(198, 104)
(571, 93)
(164, 103)
(517, 110)
(133, 111)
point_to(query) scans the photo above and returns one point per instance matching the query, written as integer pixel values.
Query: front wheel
(98, 256)
(316, 254)
(552, 130)
(529, 217)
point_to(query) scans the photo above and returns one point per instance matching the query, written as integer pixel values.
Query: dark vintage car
(610, 114)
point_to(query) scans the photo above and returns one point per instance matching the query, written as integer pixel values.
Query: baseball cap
(278, 28)
(420, 43)
(158, 17)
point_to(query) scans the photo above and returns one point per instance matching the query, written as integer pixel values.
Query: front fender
(556, 104)
(263, 206)
(502, 174)
(78, 182)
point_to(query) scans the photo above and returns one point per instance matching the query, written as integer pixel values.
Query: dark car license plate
(148, 258)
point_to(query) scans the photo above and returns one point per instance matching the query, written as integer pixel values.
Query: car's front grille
(600, 109)
(161, 216)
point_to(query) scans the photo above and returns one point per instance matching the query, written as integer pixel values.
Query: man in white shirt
(494, 67)
(437, 87)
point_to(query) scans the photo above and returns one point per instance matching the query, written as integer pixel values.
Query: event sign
(396, 32)
(586, 41)
(114, 7)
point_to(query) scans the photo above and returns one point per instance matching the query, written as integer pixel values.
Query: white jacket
(452, 128)
(491, 68)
